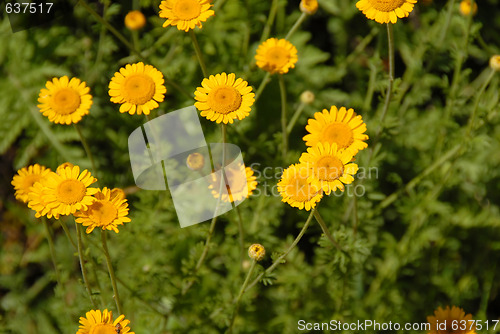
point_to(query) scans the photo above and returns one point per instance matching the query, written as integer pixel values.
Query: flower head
(495, 62)
(241, 182)
(185, 14)
(309, 6)
(25, 178)
(340, 126)
(455, 315)
(256, 252)
(97, 322)
(106, 212)
(65, 101)
(385, 11)
(64, 193)
(138, 88)
(331, 167)
(195, 161)
(276, 56)
(466, 8)
(135, 20)
(298, 189)
(223, 99)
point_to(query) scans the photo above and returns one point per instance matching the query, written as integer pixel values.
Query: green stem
(87, 151)
(238, 299)
(111, 271)
(241, 234)
(52, 249)
(82, 264)
(270, 20)
(262, 85)
(68, 234)
(199, 55)
(472, 118)
(295, 117)
(444, 31)
(285, 254)
(284, 133)
(325, 229)
(296, 25)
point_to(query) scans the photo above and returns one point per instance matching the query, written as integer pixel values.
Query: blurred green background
(424, 231)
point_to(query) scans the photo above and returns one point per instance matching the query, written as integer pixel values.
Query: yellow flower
(25, 178)
(106, 212)
(340, 126)
(138, 88)
(242, 182)
(385, 11)
(495, 62)
(135, 20)
(276, 56)
(452, 316)
(195, 161)
(63, 166)
(298, 189)
(37, 202)
(223, 99)
(97, 322)
(466, 7)
(185, 14)
(329, 166)
(256, 252)
(65, 193)
(65, 101)
(309, 6)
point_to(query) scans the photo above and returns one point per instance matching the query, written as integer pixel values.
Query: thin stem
(241, 234)
(325, 229)
(238, 299)
(284, 133)
(296, 25)
(68, 234)
(285, 254)
(111, 271)
(87, 151)
(198, 53)
(444, 31)
(472, 118)
(270, 20)
(52, 249)
(262, 85)
(295, 117)
(82, 264)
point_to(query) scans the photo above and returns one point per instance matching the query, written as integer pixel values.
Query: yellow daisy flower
(135, 20)
(298, 189)
(455, 315)
(97, 322)
(385, 11)
(67, 192)
(240, 187)
(223, 99)
(37, 202)
(276, 56)
(65, 101)
(329, 166)
(25, 178)
(308, 6)
(185, 14)
(138, 88)
(340, 126)
(106, 212)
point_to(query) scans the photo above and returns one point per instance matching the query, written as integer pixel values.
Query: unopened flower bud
(307, 97)
(308, 6)
(256, 252)
(495, 62)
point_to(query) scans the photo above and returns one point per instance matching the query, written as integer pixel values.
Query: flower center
(30, 180)
(65, 101)
(339, 133)
(71, 191)
(329, 168)
(277, 56)
(103, 329)
(386, 5)
(224, 100)
(299, 189)
(103, 213)
(138, 88)
(187, 9)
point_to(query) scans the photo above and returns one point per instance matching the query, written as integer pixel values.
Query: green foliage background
(425, 232)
